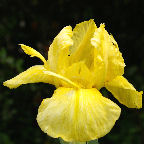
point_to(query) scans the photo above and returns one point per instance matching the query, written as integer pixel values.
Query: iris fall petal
(34, 74)
(125, 92)
(77, 114)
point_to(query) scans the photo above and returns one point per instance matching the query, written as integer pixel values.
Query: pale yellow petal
(34, 74)
(115, 61)
(66, 82)
(77, 114)
(80, 74)
(125, 92)
(37, 74)
(108, 61)
(82, 48)
(59, 50)
(32, 52)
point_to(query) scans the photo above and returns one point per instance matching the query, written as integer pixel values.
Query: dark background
(36, 23)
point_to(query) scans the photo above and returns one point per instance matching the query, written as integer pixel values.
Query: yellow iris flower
(80, 62)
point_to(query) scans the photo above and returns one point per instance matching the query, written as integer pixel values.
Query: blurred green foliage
(36, 23)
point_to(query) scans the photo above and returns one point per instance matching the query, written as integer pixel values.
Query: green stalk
(89, 142)
(77, 142)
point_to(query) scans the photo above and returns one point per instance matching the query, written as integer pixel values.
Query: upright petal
(34, 74)
(77, 114)
(82, 48)
(59, 50)
(108, 61)
(125, 92)
(115, 61)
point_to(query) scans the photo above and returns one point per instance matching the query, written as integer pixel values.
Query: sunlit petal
(59, 50)
(125, 92)
(32, 52)
(82, 48)
(77, 114)
(108, 61)
(34, 74)
(79, 73)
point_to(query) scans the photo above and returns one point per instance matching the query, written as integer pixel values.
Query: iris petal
(58, 59)
(37, 74)
(108, 61)
(32, 52)
(125, 92)
(77, 114)
(79, 73)
(34, 74)
(82, 48)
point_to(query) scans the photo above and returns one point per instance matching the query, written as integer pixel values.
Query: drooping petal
(59, 50)
(125, 92)
(64, 80)
(32, 52)
(37, 74)
(82, 48)
(34, 74)
(108, 61)
(77, 114)
(79, 73)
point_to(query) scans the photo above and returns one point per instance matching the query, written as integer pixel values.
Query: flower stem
(88, 142)
(93, 142)
(78, 143)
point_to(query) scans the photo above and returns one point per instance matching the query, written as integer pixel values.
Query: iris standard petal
(77, 114)
(59, 50)
(125, 92)
(108, 61)
(82, 48)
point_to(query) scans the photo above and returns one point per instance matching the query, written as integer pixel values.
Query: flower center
(62, 78)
